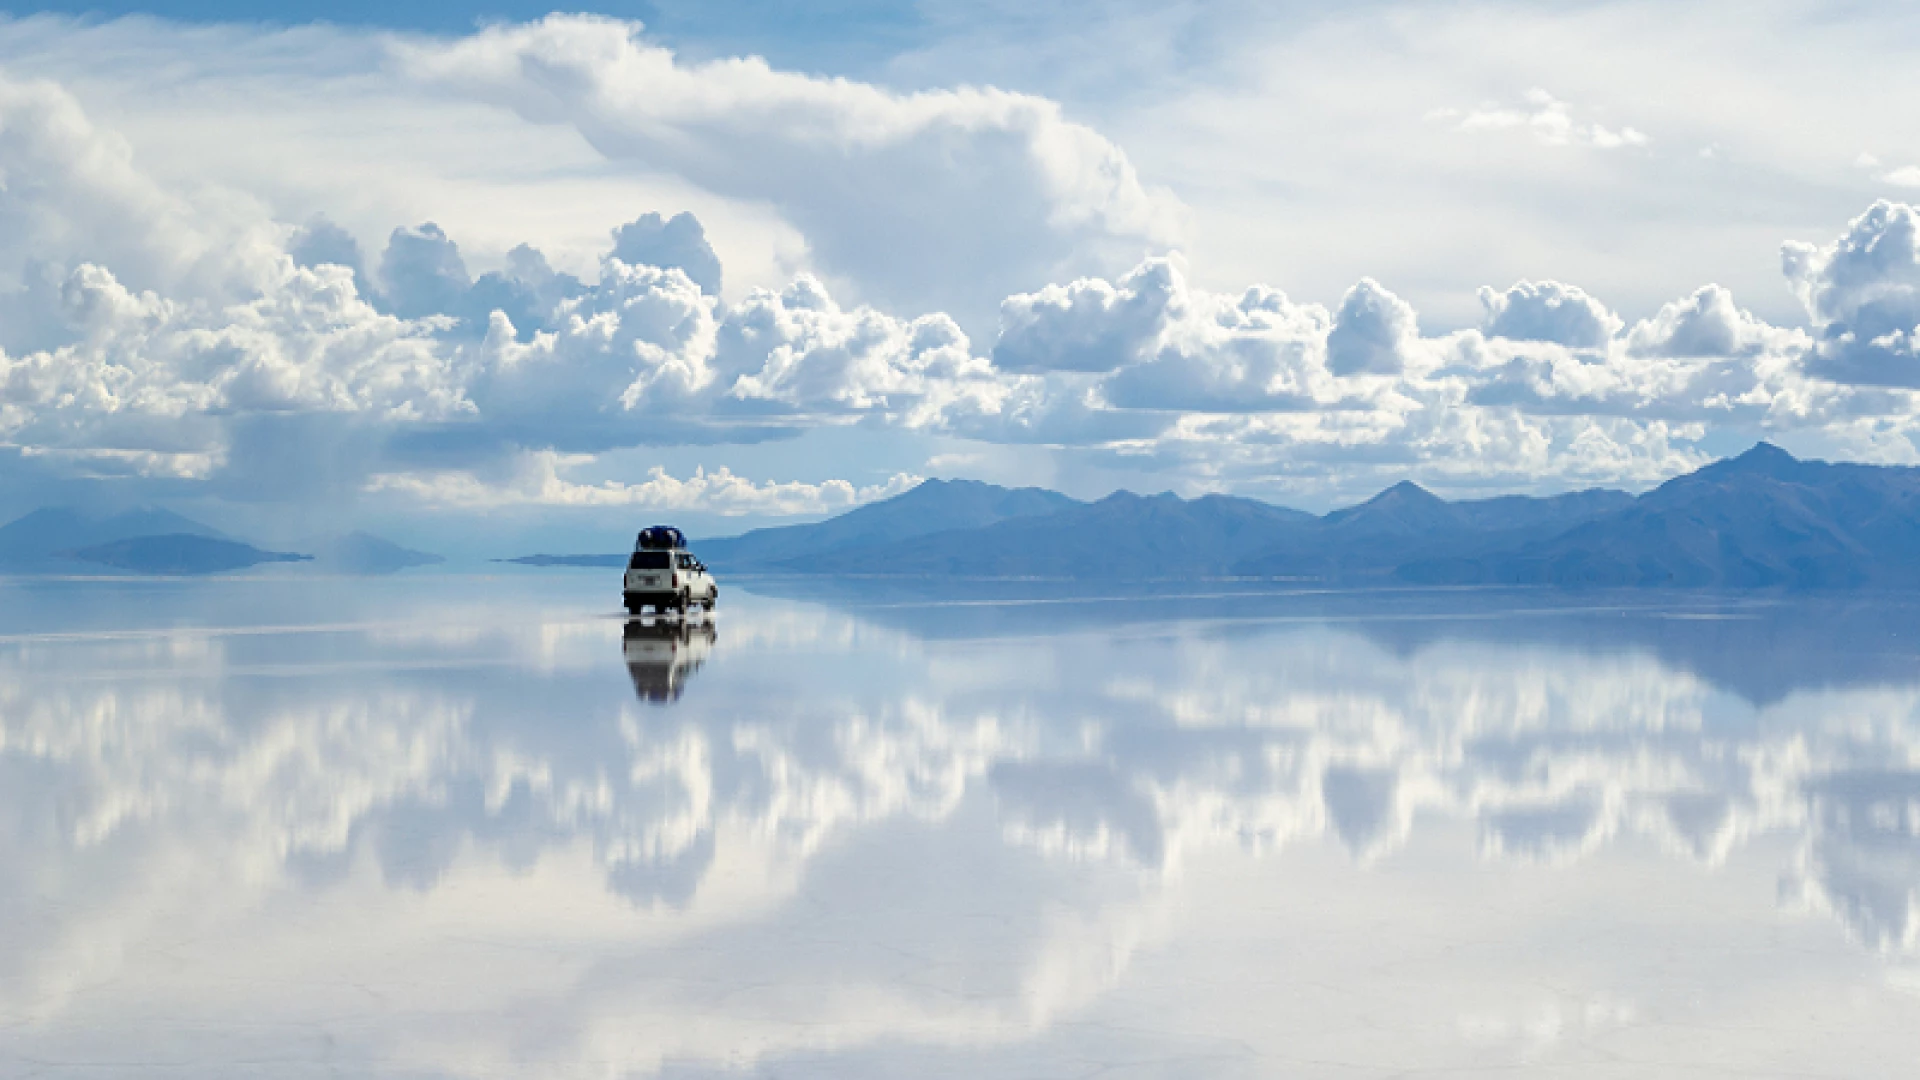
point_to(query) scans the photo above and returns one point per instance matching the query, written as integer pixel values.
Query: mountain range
(60, 540)
(1762, 519)
(933, 506)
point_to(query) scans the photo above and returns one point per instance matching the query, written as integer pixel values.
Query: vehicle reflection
(663, 653)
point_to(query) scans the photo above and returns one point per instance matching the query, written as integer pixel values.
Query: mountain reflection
(1806, 640)
(974, 834)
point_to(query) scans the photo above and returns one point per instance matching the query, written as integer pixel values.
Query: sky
(455, 272)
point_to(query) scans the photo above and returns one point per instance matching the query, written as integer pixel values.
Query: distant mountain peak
(933, 505)
(1765, 453)
(1123, 497)
(1763, 459)
(1405, 491)
(935, 486)
(1405, 507)
(1403, 496)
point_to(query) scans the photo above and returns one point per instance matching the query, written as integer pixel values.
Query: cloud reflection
(652, 848)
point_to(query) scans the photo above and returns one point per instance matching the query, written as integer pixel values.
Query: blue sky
(425, 266)
(832, 35)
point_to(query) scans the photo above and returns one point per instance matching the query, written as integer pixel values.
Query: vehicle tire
(712, 599)
(685, 602)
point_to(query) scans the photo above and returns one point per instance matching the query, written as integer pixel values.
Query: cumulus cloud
(528, 292)
(1373, 332)
(1253, 353)
(677, 243)
(1089, 325)
(1708, 324)
(798, 352)
(280, 349)
(1548, 311)
(422, 273)
(1165, 345)
(72, 195)
(150, 376)
(320, 242)
(645, 357)
(1863, 294)
(636, 346)
(962, 195)
(423, 276)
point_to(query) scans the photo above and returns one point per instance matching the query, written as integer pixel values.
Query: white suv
(668, 579)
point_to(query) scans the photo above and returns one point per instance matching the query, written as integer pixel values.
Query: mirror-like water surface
(471, 827)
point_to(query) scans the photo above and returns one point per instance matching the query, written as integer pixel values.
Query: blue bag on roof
(661, 538)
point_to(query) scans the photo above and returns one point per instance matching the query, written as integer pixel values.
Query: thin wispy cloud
(541, 480)
(1549, 120)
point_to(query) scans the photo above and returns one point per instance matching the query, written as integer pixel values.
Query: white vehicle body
(667, 580)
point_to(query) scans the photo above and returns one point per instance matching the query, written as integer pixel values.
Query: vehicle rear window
(651, 560)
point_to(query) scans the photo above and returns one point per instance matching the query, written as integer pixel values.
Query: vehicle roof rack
(660, 538)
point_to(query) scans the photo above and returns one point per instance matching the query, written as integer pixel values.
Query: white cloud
(538, 479)
(1256, 352)
(1708, 323)
(798, 352)
(150, 376)
(915, 196)
(222, 361)
(1547, 118)
(1548, 311)
(73, 195)
(1863, 295)
(1090, 325)
(637, 348)
(1148, 369)
(645, 357)
(1374, 332)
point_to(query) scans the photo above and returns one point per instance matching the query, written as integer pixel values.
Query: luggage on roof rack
(660, 538)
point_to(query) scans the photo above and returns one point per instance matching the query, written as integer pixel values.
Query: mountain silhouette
(931, 507)
(43, 540)
(1763, 519)
(181, 553)
(1122, 535)
(364, 553)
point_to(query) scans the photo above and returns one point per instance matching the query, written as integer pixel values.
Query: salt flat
(486, 827)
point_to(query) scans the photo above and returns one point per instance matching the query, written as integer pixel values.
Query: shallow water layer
(485, 827)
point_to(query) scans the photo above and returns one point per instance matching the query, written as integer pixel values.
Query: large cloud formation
(935, 192)
(1863, 294)
(196, 342)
